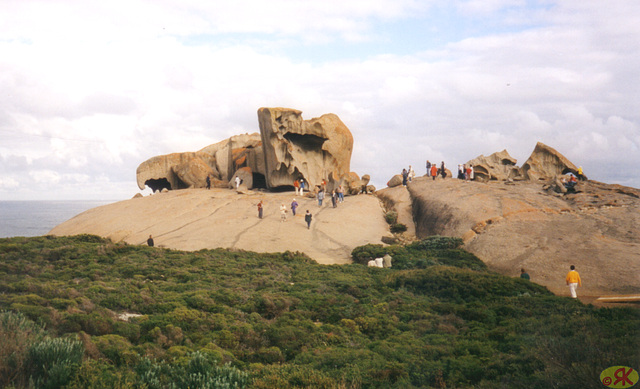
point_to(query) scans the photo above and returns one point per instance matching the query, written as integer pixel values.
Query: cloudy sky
(90, 89)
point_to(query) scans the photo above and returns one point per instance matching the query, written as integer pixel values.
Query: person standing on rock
(294, 205)
(208, 181)
(405, 175)
(283, 213)
(237, 182)
(302, 187)
(307, 218)
(150, 241)
(334, 198)
(524, 274)
(296, 186)
(260, 210)
(341, 193)
(471, 172)
(573, 280)
(412, 173)
(320, 197)
(428, 168)
(443, 172)
(434, 171)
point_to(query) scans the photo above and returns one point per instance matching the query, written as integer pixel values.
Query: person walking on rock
(573, 280)
(341, 193)
(307, 218)
(208, 181)
(294, 205)
(434, 171)
(283, 213)
(302, 187)
(334, 198)
(260, 210)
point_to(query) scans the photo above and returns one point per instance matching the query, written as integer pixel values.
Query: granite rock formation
(546, 163)
(316, 149)
(498, 166)
(190, 169)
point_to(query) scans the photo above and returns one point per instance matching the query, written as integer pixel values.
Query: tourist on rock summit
(573, 280)
(283, 213)
(412, 173)
(405, 175)
(296, 186)
(460, 172)
(428, 168)
(434, 171)
(320, 196)
(443, 172)
(341, 193)
(294, 205)
(307, 218)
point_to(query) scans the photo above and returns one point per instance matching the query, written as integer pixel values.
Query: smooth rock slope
(194, 219)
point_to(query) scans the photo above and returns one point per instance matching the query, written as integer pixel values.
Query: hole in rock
(159, 184)
(306, 142)
(259, 181)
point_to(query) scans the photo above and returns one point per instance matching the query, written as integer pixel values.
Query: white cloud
(92, 90)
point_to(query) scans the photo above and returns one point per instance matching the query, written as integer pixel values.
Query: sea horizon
(30, 218)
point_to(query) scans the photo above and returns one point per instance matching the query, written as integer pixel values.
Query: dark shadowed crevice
(159, 184)
(306, 142)
(259, 181)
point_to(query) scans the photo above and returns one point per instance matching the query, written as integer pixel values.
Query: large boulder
(314, 149)
(246, 175)
(194, 172)
(395, 181)
(189, 169)
(546, 163)
(498, 166)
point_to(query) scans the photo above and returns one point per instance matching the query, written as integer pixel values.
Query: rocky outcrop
(294, 148)
(498, 166)
(596, 228)
(546, 163)
(190, 169)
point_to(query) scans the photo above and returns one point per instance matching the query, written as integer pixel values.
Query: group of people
(573, 280)
(283, 212)
(465, 172)
(337, 195)
(433, 171)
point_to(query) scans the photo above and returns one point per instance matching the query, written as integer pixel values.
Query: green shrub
(398, 228)
(53, 362)
(363, 254)
(391, 217)
(17, 334)
(436, 243)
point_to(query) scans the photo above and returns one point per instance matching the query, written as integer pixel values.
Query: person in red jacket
(573, 280)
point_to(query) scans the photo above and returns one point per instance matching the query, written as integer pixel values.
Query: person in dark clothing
(524, 274)
(208, 182)
(150, 241)
(443, 171)
(307, 218)
(405, 175)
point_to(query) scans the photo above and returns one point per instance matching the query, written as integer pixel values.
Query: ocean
(36, 218)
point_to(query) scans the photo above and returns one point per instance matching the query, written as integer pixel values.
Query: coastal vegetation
(84, 312)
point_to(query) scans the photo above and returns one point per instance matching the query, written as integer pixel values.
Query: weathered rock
(395, 181)
(315, 149)
(596, 229)
(397, 199)
(193, 173)
(371, 188)
(497, 166)
(546, 163)
(185, 170)
(137, 196)
(245, 174)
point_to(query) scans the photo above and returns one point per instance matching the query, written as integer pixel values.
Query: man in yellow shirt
(573, 280)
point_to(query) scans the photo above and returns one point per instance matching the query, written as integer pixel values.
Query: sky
(91, 89)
